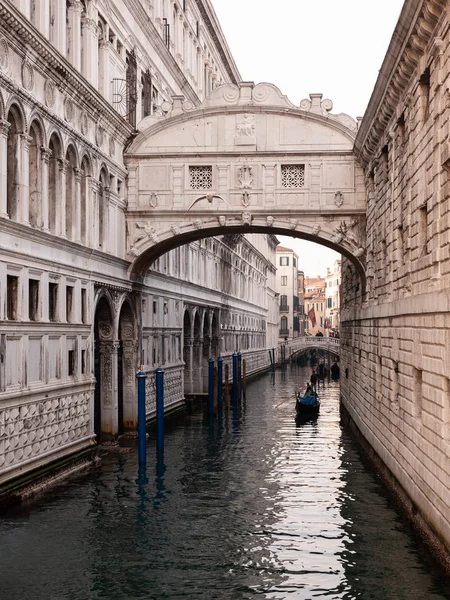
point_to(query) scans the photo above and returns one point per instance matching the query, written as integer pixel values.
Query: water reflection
(247, 504)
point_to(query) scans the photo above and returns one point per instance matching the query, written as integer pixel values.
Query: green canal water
(247, 506)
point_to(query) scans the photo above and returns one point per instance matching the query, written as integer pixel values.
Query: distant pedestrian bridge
(301, 344)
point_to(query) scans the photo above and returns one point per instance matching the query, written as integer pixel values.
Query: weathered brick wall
(396, 343)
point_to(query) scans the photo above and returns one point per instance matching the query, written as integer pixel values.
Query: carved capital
(4, 128)
(46, 153)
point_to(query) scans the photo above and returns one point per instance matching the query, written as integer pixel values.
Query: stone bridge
(301, 344)
(246, 161)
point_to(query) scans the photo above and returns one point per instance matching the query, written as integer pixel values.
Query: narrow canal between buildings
(251, 506)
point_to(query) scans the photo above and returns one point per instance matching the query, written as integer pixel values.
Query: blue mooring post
(142, 419)
(219, 383)
(239, 375)
(235, 378)
(210, 386)
(159, 375)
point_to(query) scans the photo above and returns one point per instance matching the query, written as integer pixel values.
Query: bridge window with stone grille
(200, 178)
(292, 176)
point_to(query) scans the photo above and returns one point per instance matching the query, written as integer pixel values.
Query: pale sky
(333, 47)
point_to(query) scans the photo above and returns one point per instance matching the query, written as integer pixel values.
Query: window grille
(166, 33)
(200, 178)
(146, 94)
(292, 176)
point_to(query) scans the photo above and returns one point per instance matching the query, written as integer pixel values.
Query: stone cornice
(215, 31)
(65, 75)
(411, 36)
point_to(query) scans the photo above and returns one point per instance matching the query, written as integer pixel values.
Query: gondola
(307, 406)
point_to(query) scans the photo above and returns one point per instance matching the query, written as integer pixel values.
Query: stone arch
(15, 158)
(55, 164)
(72, 171)
(36, 135)
(2, 107)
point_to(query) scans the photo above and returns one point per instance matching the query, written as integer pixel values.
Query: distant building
(302, 316)
(287, 287)
(332, 298)
(315, 305)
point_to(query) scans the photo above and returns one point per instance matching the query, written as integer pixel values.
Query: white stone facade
(395, 348)
(75, 79)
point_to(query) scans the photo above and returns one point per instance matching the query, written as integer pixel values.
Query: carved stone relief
(4, 54)
(69, 110)
(27, 75)
(339, 199)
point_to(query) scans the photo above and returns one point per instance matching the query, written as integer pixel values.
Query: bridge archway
(246, 161)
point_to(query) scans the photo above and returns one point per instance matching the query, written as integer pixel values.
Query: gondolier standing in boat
(313, 381)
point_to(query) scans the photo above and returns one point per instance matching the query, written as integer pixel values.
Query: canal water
(249, 506)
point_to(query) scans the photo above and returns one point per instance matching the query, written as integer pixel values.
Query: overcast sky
(317, 46)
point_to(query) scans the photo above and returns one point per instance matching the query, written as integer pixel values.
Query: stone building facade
(76, 78)
(395, 348)
(287, 287)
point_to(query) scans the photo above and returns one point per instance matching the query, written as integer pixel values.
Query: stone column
(45, 157)
(60, 218)
(197, 366)
(104, 86)
(93, 214)
(76, 215)
(188, 357)
(42, 20)
(89, 39)
(74, 31)
(88, 210)
(108, 387)
(24, 177)
(129, 364)
(4, 128)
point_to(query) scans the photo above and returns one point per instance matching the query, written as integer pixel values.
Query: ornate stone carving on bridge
(346, 232)
(246, 131)
(245, 178)
(293, 223)
(222, 220)
(316, 229)
(339, 198)
(143, 231)
(246, 218)
(270, 221)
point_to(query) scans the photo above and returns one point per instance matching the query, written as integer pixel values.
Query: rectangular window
(71, 363)
(292, 176)
(284, 280)
(12, 287)
(83, 362)
(33, 299)
(294, 261)
(284, 261)
(200, 178)
(83, 305)
(424, 89)
(52, 301)
(69, 303)
(154, 307)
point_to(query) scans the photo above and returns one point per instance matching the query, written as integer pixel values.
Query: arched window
(54, 183)
(284, 325)
(70, 193)
(12, 163)
(35, 176)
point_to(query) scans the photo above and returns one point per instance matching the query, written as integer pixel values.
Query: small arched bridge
(301, 344)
